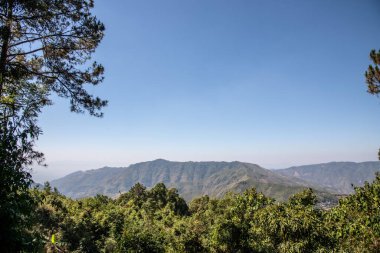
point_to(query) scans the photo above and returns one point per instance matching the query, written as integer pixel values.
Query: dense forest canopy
(159, 220)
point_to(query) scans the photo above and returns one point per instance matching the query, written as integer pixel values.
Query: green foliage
(158, 197)
(45, 48)
(373, 73)
(355, 222)
(16, 204)
(139, 238)
(295, 226)
(372, 76)
(158, 220)
(46, 45)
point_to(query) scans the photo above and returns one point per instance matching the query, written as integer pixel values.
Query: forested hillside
(159, 220)
(192, 179)
(339, 177)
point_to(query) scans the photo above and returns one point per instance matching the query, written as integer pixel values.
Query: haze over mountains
(193, 179)
(336, 176)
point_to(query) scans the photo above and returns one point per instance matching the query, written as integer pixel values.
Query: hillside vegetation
(159, 220)
(192, 179)
(339, 177)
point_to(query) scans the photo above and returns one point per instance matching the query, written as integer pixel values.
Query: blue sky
(277, 83)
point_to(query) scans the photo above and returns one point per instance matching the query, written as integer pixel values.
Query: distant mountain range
(193, 179)
(337, 177)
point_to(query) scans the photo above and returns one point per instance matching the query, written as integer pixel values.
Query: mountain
(337, 177)
(192, 179)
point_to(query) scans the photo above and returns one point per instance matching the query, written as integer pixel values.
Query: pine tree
(45, 48)
(372, 76)
(373, 73)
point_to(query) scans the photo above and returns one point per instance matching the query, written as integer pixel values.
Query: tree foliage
(373, 73)
(372, 76)
(355, 223)
(45, 48)
(148, 220)
(16, 203)
(46, 45)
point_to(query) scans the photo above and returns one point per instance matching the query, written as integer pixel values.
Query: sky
(275, 83)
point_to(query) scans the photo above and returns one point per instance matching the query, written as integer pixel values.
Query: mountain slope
(335, 176)
(192, 179)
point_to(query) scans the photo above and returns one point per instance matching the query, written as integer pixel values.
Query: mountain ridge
(336, 176)
(192, 179)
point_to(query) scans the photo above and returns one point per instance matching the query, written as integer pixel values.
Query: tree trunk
(4, 48)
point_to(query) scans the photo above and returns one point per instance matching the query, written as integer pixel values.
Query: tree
(138, 194)
(372, 76)
(373, 73)
(294, 226)
(355, 222)
(16, 203)
(46, 46)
